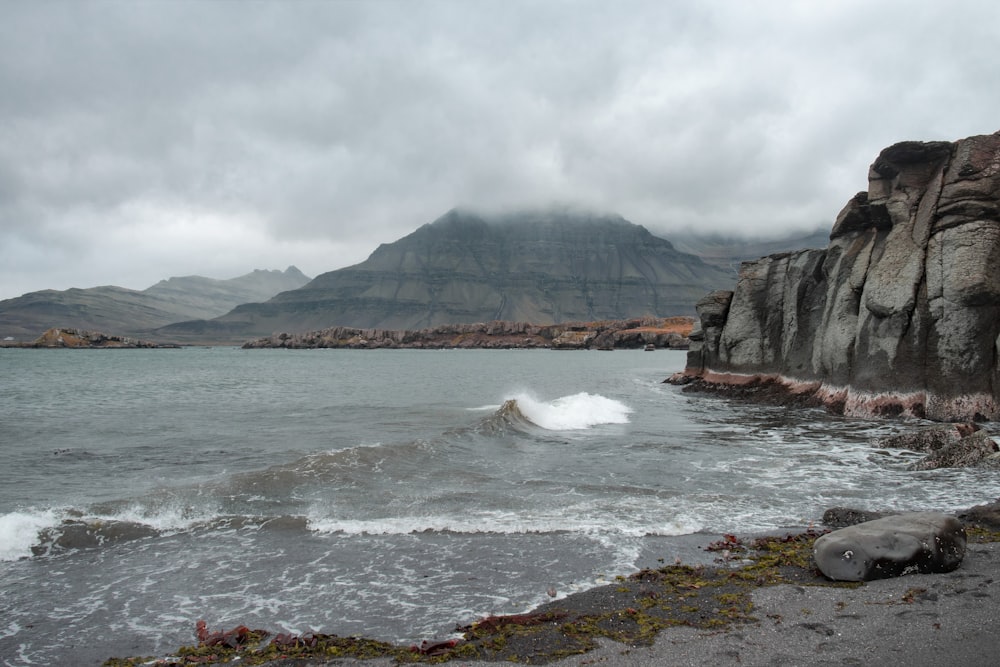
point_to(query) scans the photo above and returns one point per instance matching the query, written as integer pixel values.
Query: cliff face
(543, 267)
(898, 315)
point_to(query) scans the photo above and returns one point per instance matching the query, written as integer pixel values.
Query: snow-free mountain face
(121, 311)
(543, 267)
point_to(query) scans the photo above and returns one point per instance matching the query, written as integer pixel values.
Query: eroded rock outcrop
(75, 338)
(900, 314)
(657, 332)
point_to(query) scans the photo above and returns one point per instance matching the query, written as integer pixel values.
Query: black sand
(701, 616)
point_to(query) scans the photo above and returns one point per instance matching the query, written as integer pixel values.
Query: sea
(394, 494)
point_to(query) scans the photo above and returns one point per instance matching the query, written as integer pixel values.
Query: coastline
(764, 605)
(918, 619)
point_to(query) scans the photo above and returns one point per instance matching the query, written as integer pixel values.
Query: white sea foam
(504, 523)
(166, 517)
(19, 531)
(578, 411)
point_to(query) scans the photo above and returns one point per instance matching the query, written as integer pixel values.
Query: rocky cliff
(543, 267)
(898, 315)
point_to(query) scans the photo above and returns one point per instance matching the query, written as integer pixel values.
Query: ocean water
(390, 493)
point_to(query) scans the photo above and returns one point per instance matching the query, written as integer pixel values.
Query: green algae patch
(981, 535)
(313, 647)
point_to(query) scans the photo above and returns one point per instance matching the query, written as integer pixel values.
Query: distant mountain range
(129, 312)
(543, 267)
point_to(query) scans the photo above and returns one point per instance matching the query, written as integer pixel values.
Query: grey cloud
(344, 125)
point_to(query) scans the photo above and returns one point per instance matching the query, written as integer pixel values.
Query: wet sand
(914, 620)
(935, 619)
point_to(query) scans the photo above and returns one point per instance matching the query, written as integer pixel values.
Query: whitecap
(19, 531)
(575, 412)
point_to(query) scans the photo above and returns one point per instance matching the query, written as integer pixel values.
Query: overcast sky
(141, 140)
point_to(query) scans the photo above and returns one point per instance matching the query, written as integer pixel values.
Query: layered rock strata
(900, 314)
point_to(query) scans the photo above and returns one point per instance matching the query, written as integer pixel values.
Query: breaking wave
(259, 499)
(568, 413)
(27, 534)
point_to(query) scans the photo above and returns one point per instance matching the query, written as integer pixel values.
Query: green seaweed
(981, 535)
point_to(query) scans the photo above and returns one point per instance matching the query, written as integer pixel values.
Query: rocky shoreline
(746, 589)
(822, 591)
(638, 333)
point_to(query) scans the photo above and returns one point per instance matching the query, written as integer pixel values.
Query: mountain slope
(129, 312)
(541, 267)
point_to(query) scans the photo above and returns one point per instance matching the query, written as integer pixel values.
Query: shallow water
(393, 493)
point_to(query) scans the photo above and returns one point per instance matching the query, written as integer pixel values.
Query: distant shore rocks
(76, 338)
(638, 333)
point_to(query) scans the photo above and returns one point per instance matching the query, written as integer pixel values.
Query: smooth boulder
(922, 542)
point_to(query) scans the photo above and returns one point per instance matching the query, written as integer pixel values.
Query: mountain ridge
(130, 312)
(541, 266)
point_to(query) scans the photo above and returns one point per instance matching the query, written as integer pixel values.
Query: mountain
(543, 267)
(729, 251)
(131, 312)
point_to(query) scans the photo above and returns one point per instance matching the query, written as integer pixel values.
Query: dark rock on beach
(914, 542)
(899, 315)
(985, 516)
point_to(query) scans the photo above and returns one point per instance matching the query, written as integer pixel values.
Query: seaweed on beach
(632, 611)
